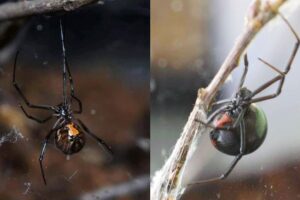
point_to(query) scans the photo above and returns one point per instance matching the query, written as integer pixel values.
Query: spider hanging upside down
(239, 127)
(69, 131)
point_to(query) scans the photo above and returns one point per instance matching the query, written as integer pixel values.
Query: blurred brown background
(107, 46)
(189, 41)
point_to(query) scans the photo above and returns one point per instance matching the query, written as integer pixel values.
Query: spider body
(69, 131)
(70, 138)
(238, 126)
(254, 123)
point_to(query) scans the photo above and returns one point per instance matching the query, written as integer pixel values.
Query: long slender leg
(15, 84)
(207, 124)
(34, 118)
(239, 119)
(269, 83)
(246, 64)
(65, 101)
(296, 47)
(215, 113)
(280, 77)
(211, 117)
(234, 162)
(43, 151)
(56, 126)
(233, 126)
(105, 146)
(66, 68)
(72, 89)
(287, 69)
(221, 102)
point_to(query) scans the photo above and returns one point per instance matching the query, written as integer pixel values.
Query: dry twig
(167, 182)
(19, 9)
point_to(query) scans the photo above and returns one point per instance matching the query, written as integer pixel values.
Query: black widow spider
(239, 127)
(69, 131)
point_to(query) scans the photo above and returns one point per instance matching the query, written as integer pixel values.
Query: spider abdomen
(69, 139)
(228, 141)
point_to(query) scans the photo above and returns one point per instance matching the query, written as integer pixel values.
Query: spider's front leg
(35, 118)
(66, 69)
(18, 89)
(280, 77)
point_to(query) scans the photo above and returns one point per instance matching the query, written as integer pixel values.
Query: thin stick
(167, 182)
(12, 10)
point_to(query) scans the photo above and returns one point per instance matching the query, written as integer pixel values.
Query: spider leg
(15, 84)
(282, 76)
(46, 140)
(216, 112)
(239, 119)
(221, 102)
(72, 90)
(105, 146)
(233, 163)
(65, 100)
(246, 64)
(56, 126)
(66, 69)
(296, 47)
(211, 117)
(34, 118)
(210, 126)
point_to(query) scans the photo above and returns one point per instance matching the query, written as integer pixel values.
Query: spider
(68, 130)
(239, 126)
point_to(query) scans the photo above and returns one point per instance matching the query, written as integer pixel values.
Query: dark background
(107, 46)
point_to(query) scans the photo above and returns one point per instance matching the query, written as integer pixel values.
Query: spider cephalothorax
(239, 102)
(69, 131)
(239, 126)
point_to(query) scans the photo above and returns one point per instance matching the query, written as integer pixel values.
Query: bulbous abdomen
(70, 139)
(256, 127)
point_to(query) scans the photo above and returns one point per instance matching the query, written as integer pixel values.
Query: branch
(25, 8)
(167, 182)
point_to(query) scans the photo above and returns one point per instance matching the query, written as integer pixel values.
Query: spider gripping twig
(239, 127)
(69, 131)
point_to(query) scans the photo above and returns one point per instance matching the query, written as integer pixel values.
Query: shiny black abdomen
(256, 127)
(68, 143)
